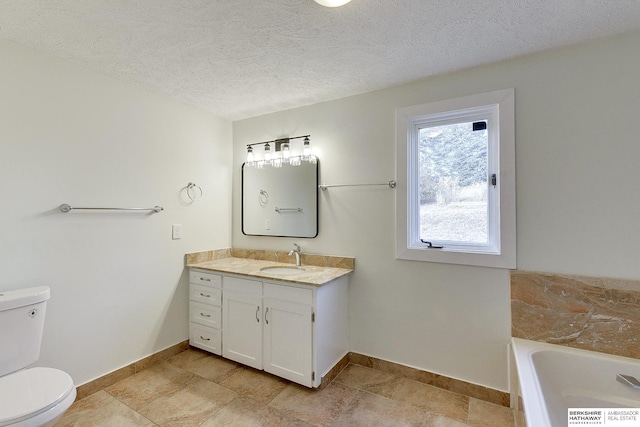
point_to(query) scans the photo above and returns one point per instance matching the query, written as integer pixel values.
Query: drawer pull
(257, 310)
(205, 279)
(205, 315)
(205, 295)
(204, 339)
(265, 316)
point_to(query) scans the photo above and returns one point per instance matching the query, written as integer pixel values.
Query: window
(456, 181)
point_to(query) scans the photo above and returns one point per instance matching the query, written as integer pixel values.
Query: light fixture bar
(279, 140)
(281, 153)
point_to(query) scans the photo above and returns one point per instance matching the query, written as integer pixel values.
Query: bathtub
(554, 378)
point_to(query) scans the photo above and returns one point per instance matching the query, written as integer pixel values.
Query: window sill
(506, 261)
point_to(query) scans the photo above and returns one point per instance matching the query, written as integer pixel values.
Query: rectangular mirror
(280, 202)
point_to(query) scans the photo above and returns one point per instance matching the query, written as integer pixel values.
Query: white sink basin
(282, 271)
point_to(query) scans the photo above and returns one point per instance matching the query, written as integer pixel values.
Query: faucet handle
(298, 248)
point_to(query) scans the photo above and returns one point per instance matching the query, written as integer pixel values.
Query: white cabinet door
(242, 328)
(288, 340)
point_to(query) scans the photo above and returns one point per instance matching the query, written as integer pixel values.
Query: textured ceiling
(241, 58)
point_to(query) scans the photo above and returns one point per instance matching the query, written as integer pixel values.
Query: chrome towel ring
(194, 191)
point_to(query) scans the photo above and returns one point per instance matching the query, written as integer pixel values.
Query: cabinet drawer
(242, 285)
(208, 339)
(289, 293)
(205, 294)
(207, 315)
(205, 279)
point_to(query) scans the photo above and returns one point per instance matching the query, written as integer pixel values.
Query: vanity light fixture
(250, 157)
(281, 154)
(306, 152)
(332, 3)
(306, 148)
(286, 152)
(267, 154)
(276, 162)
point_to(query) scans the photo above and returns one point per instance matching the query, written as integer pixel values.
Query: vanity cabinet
(268, 326)
(295, 331)
(205, 311)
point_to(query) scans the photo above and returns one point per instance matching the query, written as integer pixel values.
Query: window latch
(494, 180)
(430, 245)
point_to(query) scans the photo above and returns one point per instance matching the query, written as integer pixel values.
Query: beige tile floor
(195, 388)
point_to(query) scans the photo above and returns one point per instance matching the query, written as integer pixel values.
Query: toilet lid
(31, 391)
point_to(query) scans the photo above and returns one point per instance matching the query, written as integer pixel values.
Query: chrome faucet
(297, 251)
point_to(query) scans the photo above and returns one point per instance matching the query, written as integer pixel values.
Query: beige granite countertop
(313, 275)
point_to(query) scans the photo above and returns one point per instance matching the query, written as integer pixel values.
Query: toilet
(29, 397)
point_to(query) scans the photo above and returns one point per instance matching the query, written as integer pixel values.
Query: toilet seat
(29, 392)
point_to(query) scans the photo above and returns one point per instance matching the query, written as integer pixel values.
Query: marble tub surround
(310, 274)
(598, 314)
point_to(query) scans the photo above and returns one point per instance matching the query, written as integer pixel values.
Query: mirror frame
(315, 222)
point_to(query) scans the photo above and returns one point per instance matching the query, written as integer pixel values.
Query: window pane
(453, 182)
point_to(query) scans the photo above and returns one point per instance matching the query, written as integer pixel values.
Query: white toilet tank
(22, 314)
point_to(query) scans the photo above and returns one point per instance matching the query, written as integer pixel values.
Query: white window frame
(499, 107)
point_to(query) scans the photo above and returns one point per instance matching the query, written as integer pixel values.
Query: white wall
(69, 135)
(578, 185)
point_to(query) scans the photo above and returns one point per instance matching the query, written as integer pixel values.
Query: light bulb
(277, 160)
(286, 152)
(306, 149)
(267, 154)
(250, 156)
